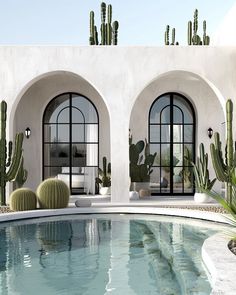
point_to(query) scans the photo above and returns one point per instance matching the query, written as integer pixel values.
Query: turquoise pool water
(104, 254)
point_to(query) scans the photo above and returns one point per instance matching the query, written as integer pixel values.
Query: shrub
(23, 199)
(53, 193)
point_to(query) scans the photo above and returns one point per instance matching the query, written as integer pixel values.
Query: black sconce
(27, 132)
(210, 132)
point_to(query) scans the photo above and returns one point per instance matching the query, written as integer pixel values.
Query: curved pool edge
(219, 260)
(178, 212)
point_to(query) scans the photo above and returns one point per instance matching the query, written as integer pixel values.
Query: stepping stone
(83, 203)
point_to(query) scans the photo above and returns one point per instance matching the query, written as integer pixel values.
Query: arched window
(70, 141)
(172, 137)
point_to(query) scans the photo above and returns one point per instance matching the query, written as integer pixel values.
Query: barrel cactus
(23, 199)
(53, 193)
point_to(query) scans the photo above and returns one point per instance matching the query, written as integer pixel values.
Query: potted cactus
(141, 162)
(201, 174)
(104, 179)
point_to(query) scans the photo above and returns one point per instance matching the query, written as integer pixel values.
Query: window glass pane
(165, 115)
(177, 133)
(56, 133)
(178, 116)
(188, 133)
(159, 181)
(185, 107)
(79, 155)
(85, 107)
(155, 133)
(58, 110)
(56, 154)
(188, 154)
(51, 172)
(165, 133)
(85, 133)
(155, 148)
(157, 107)
(177, 155)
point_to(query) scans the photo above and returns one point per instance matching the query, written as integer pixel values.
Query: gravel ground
(6, 209)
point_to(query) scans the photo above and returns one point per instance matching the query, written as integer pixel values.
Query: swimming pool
(104, 254)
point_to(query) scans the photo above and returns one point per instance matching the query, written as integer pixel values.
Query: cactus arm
(217, 164)
(108, 26)
(9, 153)
(173, 37)
(189, 33)
(115, 27)
(21, 175)
(92, 29)
(167, 35)
(16, 159)
(103, 24)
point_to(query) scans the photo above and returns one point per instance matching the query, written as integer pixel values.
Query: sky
(66, 22)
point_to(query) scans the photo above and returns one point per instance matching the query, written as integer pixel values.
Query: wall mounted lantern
(27, 132)
(210, 132)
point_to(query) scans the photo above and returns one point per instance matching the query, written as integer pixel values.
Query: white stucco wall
(120, 75)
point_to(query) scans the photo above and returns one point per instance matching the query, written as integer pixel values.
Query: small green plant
(23, 199)
(201, 173)
(104, 179)
(141, 161)
(109, 30)
(53, 193)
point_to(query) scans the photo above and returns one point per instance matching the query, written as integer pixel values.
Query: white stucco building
(116, 89)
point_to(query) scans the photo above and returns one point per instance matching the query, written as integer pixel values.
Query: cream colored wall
(29, 113)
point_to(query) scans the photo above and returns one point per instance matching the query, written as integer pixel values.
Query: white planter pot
(105, 190)
(202, 198)
(133, 195)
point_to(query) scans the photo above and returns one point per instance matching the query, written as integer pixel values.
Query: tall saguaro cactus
(108, 30)
(9, 161)
(225, 168)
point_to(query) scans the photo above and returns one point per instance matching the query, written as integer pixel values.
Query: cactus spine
(9, 164)
(108, 30)
(201, 173)
(225, 168)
